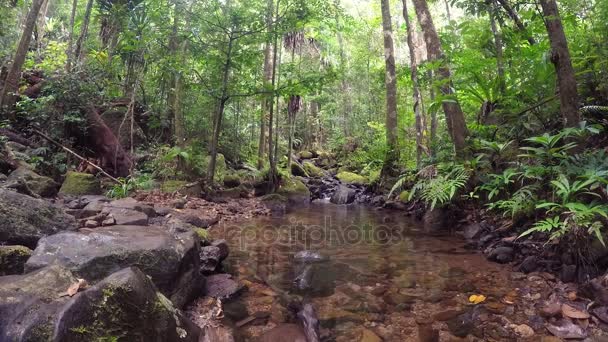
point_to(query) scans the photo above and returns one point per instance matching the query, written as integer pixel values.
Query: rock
(461, 325)
(286, 332)
(126, 217)
(436, 220)
(232, 180)
(195, 218)
(277, 204)
(217, 334)
(312, 170)
(306, 155)
(310, 323)
(447, 315)
(24, 220)
(90, 224)
(223, 246)
(523, 330)
(40, 185)
(132, 204)
(12, 259)
(378, 201)
(110, 221)
(343, 195)
(295, 191)
(369, 336)
(568, 273)
(93, 207)
(162, 211)
(171, 260)
(308, 256)
(501, 255)
(77, 183)
(530, 264)
(210, 257)
(3, 178)
(221, 286)
(352, 178)
(567, 330)
(179, 203)
(298, 170)
(126, 305)
(472, 231)
(426, 333)
(303, 279)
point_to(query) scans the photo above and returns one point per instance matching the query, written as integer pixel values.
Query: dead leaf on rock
(571, 312)
(73, 289)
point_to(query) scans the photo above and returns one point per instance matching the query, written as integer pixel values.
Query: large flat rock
(169, 257)
(24, 219)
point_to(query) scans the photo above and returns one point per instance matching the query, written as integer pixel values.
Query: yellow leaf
(476, 299)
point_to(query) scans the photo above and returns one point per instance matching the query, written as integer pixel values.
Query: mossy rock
(294, 190)
(277, 204)
(78, 183)
(313, 170)
(232, 180)
(203, 234)
(306, 155)
(13, 258)
(352, 178)
(404, 196)
(40, 185)
(298, 170)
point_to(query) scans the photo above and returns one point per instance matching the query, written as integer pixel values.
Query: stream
(374, 273)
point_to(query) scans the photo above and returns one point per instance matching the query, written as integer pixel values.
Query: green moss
(298, 170)
(13, 258)
(293, 185)
(352, 178)
(171, 186)
(404, 196)
(77, 183)
(306, 155)
(203, 234)
(312, 169)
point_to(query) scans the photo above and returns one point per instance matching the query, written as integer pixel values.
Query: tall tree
(456, 123)
(266, 100)
(11, 84)
(70, 51)
(414, 75)
(390, 81)
(560, 57)
(498, 44)
(84, 29)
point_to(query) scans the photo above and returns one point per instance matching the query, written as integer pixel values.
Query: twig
(46, 137)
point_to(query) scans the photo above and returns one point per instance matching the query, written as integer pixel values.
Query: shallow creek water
(384, 277)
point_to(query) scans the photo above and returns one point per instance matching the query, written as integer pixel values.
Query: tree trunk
(390, 80)
(8, 96)
(273, 179)
(560, 57)
(500, 67)
(83, 31)
(456, 123)
(70, 52)
(40, 25)
(267, 100)
(414, 75)
(520, 25)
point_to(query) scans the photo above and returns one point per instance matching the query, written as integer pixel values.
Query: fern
(442, 188)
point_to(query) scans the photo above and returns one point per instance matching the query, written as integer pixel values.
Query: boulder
(472, 230)
(24, 220)
(298, 170)
(352, 178)
(222, 286)
(13, 258)
(126, 217)
(40, 185)
(77, 183)
(195, 218)
(343, 195)
(312, 170)
(232, 180)
(502, 255)
(294, 190)
(170, 258)
(277, 204)
(210, 257)
(94, 205)
(223, 246)
(306, 155)
(436, 220)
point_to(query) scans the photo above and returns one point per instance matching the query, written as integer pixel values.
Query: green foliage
(127, 185)
(438, 187)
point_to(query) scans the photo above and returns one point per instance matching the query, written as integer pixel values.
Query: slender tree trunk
(8, 96)
(454, 116)
(40, 25)
(560, 57)
(500, 67)
(273, 174)
(70, 52)
(433, 135)
(267, 100)
(518, 23)
(447, 10)
(83, 31)
(390, 80)
(414, 75)
(217, 122)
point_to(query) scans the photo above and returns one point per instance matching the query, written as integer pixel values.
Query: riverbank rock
(306, 155)
(24, 220)
(77, 183)
(125, 305)
(232, 180)
(13, 258)
(40, 185)
(343, 195)
(313, 170)
(221, 286)
(170, 259)
(352, 178)
(294, 190)
(277, 204)
(298, 170)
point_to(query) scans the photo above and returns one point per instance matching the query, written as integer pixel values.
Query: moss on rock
(306, 155)
(232, 180)
(13, 258)
(404, 196)
(312, 169)
(352, 178)
(78, 183)
(298, 170)
(294, 190)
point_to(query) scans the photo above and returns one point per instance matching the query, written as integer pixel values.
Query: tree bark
(273, 180)
(70, 52)
(267, 100)
(8, 96)
(83, 31)
(456, 123)
(414, 75)
(390, 81)
(560, 57)
(500, 67)
(518, 23)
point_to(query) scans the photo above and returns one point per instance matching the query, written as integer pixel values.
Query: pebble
(523, 330)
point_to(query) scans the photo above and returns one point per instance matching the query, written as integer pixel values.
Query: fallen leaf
(572, 312)
(73, 289)
(567, 330)
(476, 299)
(572, 295)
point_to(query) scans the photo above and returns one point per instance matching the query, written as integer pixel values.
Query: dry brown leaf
(572, 295)
(572, 312)
(73, 289)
